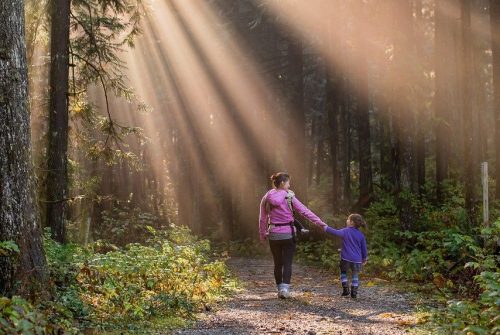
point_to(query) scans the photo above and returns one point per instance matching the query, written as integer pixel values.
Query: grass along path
(315, 308)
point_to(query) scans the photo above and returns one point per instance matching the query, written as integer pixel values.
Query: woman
(276, 225)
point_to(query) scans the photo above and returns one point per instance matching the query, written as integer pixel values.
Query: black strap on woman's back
(291, 224)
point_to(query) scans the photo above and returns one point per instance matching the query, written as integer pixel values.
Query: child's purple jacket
(281, 213)
(353, 244)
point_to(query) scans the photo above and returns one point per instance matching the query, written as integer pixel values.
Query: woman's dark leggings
(283, 251)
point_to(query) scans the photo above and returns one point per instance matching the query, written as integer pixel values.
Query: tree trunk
(495, 47)
(320, 152)
(467, 75)
(362, 107)
(442, 97)
(420, 108)
(385, 146)
(404, 117)
(364, 143)
(332, 105)
(364, 152)
(297, 132)
(57, 151)
(314, 143)
(346, 144)
(480, 64)
(19, 220)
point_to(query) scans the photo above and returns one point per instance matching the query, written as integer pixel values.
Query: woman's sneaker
(284, 291)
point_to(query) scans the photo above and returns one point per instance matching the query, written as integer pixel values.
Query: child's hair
(279, 177)
(357, 220)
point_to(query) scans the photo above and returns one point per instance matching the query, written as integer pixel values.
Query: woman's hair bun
(279, 177)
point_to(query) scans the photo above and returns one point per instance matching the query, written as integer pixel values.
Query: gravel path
(315, 308)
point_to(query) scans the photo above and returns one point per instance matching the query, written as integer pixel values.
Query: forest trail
(315, 308)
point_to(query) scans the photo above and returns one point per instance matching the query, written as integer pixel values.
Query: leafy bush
(480, 313)
(8, 248)
(461, 262)
(122, 225)
(441, 252)
(18, 316)
(475, 316)
(135, 289)
(171, 275)
(159, 278)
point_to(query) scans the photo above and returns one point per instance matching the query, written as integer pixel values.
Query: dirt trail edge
(316, 307)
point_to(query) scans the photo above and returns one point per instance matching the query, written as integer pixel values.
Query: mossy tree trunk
(19, 221)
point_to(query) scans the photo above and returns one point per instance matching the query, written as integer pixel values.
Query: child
(353, 253)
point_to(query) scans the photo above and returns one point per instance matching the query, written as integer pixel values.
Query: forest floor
(315, 308)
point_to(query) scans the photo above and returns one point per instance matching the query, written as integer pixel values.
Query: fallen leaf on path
(405, 323)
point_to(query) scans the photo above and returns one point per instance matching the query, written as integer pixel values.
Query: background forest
(151, 116)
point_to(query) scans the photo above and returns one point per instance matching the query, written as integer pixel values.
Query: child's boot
(345, 290)
(354, 292)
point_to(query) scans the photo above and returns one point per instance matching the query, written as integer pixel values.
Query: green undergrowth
(451, 268)
(140, 288)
